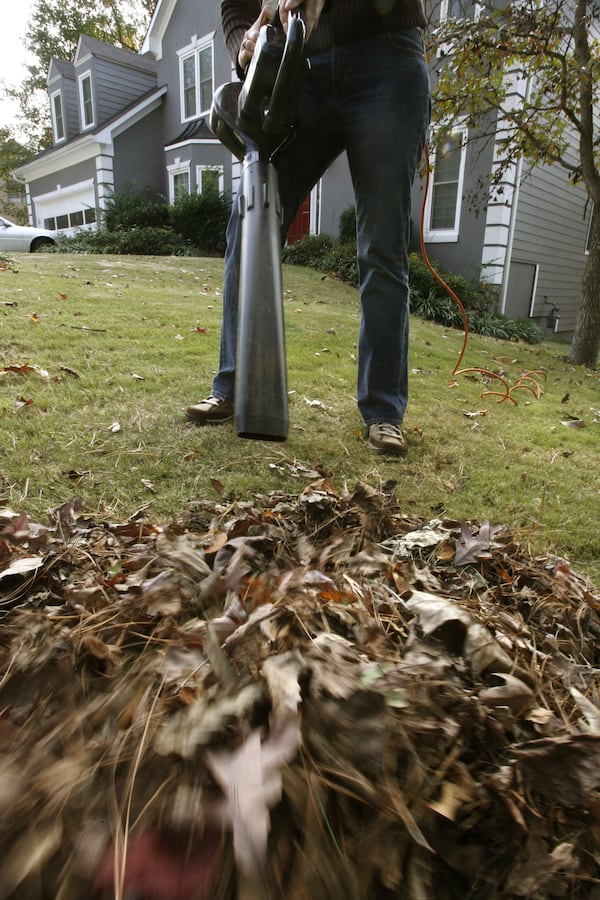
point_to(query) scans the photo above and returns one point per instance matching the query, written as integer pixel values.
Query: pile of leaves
(304, 696)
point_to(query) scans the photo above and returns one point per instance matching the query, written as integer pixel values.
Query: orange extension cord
(528, 380)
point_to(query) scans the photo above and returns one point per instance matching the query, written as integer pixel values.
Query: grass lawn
(99, 356)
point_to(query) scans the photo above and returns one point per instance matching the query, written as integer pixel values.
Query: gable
(157, 28)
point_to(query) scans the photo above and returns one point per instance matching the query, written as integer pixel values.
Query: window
(74, 219)
(196, 78)
(189, 87)
(445, 188)
(458, 9)
(57, 117)
(179, 179)
(208, 177)
(181, 184)
(591, 225)
(86, 100)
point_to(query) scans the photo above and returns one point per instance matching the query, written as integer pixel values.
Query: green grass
(128, 342)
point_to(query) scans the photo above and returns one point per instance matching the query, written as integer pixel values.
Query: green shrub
(445, 311)
(126, 211)
(201, 219)
(308, 251)
(152, 242)
(135, 241)
(347, 226)
(340, 260)
(480, 298)
(90, 242)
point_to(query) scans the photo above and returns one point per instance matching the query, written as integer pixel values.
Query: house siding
(140, 171)
(550, 231)
(114, 86)
(58, 184)
(464, 256)
(186, 24)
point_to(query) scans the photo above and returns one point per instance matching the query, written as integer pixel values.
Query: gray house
(126, 121)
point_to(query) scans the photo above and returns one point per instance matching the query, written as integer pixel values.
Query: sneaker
(387, 438)
(211, 411)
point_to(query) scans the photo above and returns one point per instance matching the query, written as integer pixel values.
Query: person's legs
(385, 88)
(316, 142)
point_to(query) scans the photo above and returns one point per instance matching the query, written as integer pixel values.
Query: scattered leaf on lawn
(69, 371)
(573, 423)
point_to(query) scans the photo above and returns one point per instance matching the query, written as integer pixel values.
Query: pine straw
(308, 696)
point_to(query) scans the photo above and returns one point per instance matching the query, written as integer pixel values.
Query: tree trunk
(586, 338)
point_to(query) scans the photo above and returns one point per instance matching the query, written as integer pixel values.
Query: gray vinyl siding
(65, 178)
(550, 231)
(140, 171)
(464, 255)
(114, 86)
(188, 21)
(336, 196)
(68, 91)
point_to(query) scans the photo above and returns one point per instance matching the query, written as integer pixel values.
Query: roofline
(156, 30)
(87, 146)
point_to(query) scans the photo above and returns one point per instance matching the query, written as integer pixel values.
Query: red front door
(300, 227)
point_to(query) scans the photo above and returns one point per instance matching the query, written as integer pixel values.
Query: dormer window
(196, 77)
(58, 122)
(86, 102)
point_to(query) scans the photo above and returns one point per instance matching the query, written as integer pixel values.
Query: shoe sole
(195, 420)
(387, 451)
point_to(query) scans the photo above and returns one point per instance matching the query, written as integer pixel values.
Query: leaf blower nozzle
(254, 119)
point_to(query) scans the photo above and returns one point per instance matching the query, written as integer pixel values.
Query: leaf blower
(254, 119)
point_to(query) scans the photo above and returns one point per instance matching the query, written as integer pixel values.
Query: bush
(340, 260)
(136, 241)
(445, 311)
(479, 298)
(126, 211)
(308, 251)
(347, 226)
(201, 219)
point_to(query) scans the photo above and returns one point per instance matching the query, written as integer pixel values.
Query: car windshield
(5, 222)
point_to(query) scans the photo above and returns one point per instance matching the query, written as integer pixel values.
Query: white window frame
(178, 167)
(446, 235)
(588, 233)
(85, 123)
(206, 168)
(445, 49)
(56, 100)
(445, 6)
(193, 50)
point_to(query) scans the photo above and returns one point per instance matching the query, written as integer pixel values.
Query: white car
(24, 238)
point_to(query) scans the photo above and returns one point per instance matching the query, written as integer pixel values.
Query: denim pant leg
(224, 381)
(317, 141)
(371, 97)
(386, 114)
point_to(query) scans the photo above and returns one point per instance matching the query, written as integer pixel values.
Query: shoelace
(387, 429)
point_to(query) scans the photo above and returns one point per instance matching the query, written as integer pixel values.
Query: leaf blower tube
(261, 401)
(254, 120)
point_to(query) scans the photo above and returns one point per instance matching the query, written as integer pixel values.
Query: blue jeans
(370, 98)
